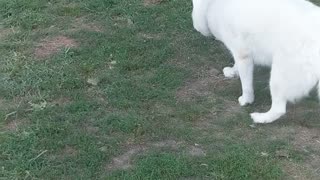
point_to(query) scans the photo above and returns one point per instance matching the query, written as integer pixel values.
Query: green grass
(237, 162)
(151, 70)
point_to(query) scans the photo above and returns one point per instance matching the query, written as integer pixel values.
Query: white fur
(283, 34)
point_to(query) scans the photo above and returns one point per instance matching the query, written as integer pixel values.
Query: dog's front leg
(245, 65)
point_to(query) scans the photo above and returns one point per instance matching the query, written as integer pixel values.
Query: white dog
(283, 34)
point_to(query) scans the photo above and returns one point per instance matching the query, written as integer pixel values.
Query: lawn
(126, 89)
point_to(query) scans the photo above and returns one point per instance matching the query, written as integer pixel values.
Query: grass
(137, 87)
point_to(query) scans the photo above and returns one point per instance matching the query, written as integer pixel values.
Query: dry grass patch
(13, 125)
(125, 160)
(50, 46)
(69, 151)
(307, 139)
(61, 101)
(199, 87)
(4, 33)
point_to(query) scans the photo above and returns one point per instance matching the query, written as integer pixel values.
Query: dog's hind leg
(231, 72)
(288, 82)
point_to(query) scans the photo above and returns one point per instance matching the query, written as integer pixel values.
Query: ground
(126, 89)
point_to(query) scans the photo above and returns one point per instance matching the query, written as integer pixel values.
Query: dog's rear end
(286, 32)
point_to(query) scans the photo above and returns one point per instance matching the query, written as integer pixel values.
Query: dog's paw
(245, 101)
(262, 118)
(229, 72)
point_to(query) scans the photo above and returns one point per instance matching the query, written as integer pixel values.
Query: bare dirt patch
(314, 163)
(4, 33)
(50, 46)
(61, 101)
(230, 108)
(96, 94)
(301, 171)
(69, 151)
(13, 126)
(208, 82)
(196, 151)
(201, 86)
(3, 103)
(307, 139)
(297, 171)
(152, 2)
(124, 161)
